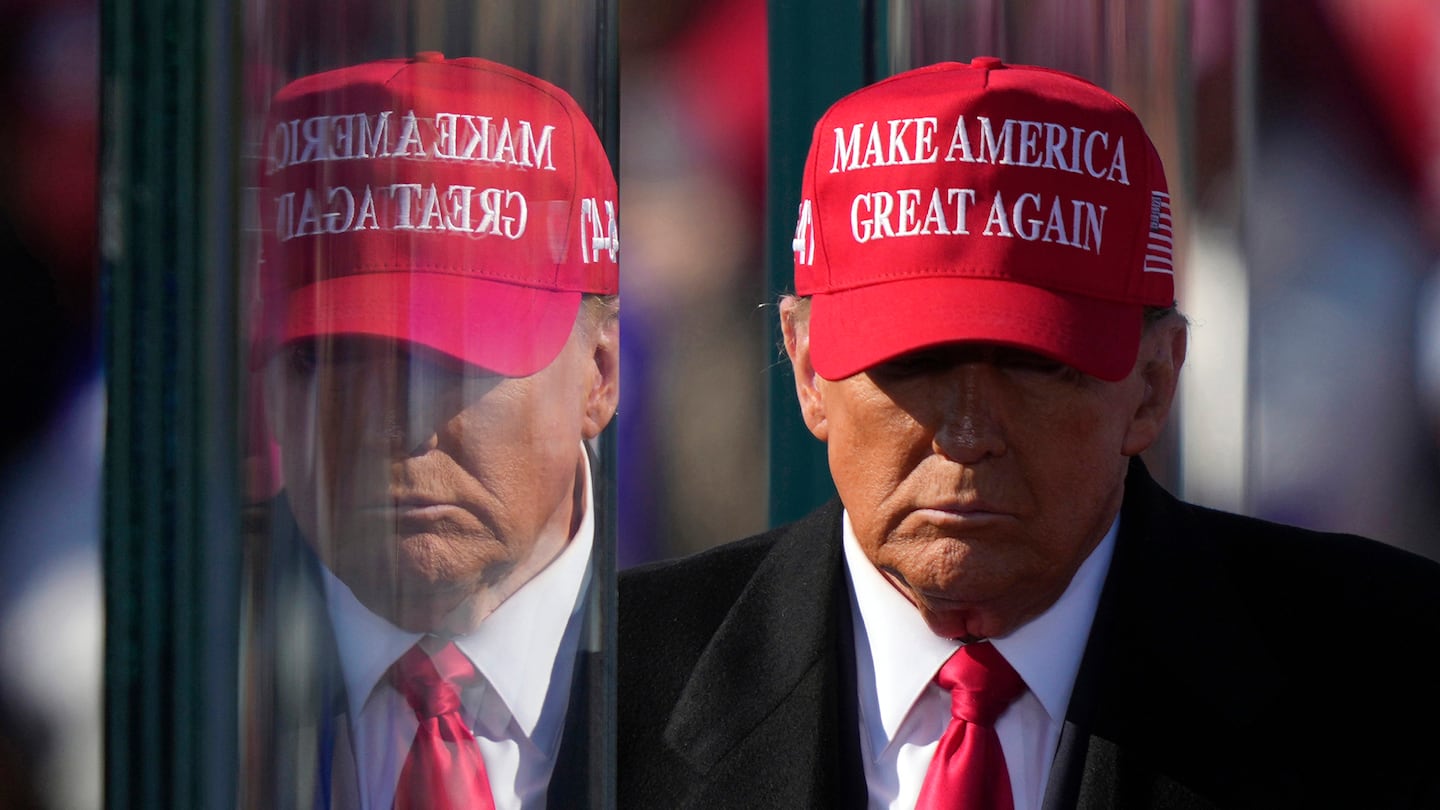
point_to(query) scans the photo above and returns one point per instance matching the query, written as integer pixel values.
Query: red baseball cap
(458, 204)
(1008, 204)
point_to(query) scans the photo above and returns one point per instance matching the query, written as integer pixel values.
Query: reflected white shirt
(903, 712)
(525, 652)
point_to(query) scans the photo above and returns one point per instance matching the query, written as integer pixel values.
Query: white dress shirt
(525, 652)
(903, 713)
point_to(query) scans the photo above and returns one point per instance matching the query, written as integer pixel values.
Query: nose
(419, 400)
(420, 433)
(970, 428)
(400, 404)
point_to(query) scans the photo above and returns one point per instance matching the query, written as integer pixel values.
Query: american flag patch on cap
(1160, 249)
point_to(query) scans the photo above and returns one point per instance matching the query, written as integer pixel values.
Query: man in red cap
(438, 324)
(1002, 609)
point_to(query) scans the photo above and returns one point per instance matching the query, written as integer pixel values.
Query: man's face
(979, 477)
(431, 488)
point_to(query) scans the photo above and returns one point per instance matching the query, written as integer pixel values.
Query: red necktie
(443, 770)
(968, 770)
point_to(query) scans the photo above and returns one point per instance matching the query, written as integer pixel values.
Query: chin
(959, 629)
(403, 587)
(967, 624)
(422, 615)
(421, 605)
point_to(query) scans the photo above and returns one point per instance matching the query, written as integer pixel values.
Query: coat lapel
(1171, 686)
(294, 701)
(584, 772)
(762, 712)
(582, 776)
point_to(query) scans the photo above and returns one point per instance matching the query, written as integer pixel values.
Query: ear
(1162, 353)
(808, 385)
(603, 394)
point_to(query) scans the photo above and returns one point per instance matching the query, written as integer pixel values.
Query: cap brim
(506, 328)
(855, 329)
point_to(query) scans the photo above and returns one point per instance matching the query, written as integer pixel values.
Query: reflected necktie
(968, 769)
(444, 770)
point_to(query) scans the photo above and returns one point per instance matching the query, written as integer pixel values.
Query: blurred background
(695, 331)
(1303, 146)
(52, 419)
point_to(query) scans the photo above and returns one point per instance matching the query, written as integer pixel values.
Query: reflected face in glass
(432, 488)
(978, 477)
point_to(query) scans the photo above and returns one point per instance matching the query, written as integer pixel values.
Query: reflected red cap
(455, 203)
(988, 202)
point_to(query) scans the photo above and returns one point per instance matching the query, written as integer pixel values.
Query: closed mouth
(965, 509)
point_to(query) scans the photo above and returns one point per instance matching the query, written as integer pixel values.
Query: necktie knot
(981, 682)
(431, 684)
(444, 769)
(968, 769)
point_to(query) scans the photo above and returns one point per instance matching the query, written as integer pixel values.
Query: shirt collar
(895, 666)
(516, 648)
(367, 644)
